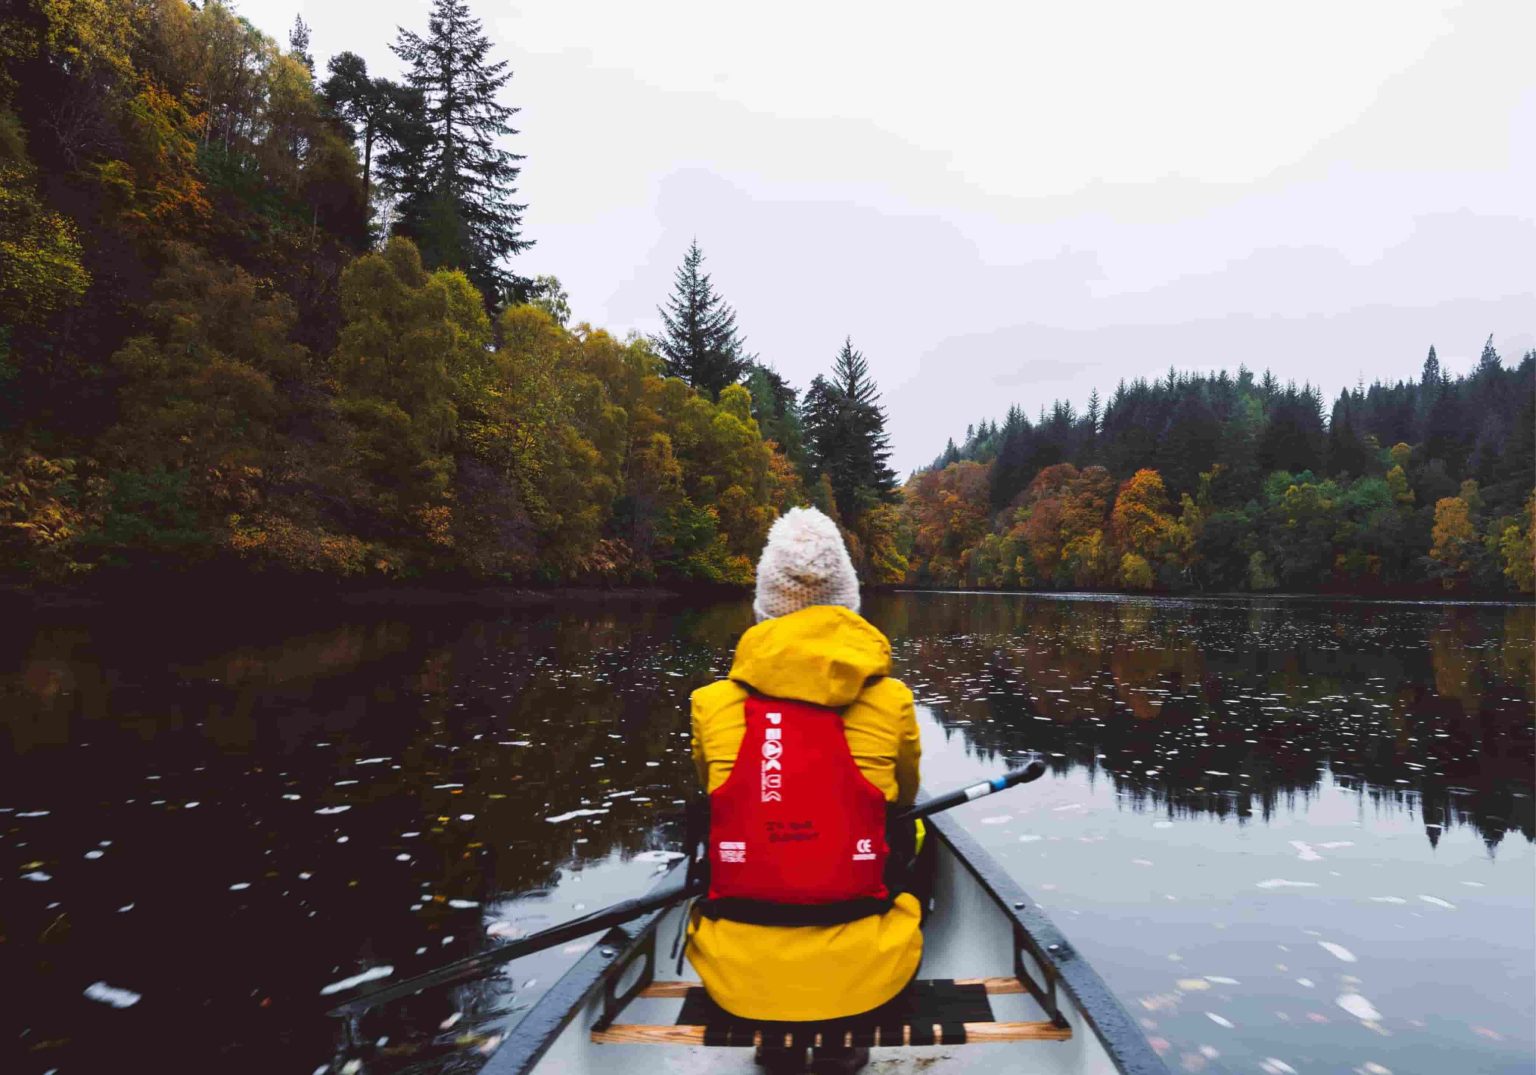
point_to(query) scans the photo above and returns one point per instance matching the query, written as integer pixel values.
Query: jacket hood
(823, 654)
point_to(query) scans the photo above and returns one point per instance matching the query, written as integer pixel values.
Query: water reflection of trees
(470, 734)
(449, 743)
(1235, 708)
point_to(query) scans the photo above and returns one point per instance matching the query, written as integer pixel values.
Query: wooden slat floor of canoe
(994, 986)
(975, 1034)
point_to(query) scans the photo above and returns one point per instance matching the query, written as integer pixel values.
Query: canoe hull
(983, 926)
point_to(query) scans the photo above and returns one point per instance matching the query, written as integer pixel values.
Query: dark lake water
(1290, 835)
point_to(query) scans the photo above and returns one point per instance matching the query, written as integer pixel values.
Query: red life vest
(796, 822)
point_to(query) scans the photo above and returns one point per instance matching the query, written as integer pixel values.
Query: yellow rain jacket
(825, 655)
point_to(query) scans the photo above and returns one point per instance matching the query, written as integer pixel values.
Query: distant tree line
(255, 318)
(1200, 482)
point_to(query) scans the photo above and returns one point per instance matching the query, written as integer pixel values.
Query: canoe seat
(934, 1012)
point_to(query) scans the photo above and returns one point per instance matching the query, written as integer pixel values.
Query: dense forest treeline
(252, 316)
(1199, 482)
(260, 316)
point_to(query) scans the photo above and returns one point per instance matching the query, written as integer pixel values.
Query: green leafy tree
(413, 347)
(40, 268)
(547, 294)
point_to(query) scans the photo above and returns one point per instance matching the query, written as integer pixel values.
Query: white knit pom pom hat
(804, 563)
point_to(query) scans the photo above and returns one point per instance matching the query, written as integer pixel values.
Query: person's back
(811, 677)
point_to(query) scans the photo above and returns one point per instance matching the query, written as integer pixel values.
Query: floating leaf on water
(370, 975)
(1358, 1006)
(1338, 951)
(107, 994)
(574, 813)
(1304, 851)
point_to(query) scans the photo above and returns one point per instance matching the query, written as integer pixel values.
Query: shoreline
(170, 592)
(1403, 597)
(173, 591)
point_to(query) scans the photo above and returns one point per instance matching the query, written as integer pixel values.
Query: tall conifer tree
(845, 427)
(298, 44)
(457, 200)
(700, 343)
(383, 115)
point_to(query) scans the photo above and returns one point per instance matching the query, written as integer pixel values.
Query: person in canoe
(804, 751)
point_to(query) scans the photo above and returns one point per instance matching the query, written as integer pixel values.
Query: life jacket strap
(765, 913)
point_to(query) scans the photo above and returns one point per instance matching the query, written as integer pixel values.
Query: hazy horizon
(1019, 206)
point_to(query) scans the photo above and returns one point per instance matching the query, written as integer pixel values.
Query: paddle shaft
(1033, 771)
(628, 910)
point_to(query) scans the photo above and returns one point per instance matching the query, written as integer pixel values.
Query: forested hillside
(1235, 483)
(261, 316)
(270, 318)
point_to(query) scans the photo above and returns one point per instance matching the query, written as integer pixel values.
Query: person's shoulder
(887, 691)
(717, 695)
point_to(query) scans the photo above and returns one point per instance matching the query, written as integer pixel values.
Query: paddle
(619, 913)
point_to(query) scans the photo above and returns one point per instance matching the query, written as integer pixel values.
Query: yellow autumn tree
(1517, 548)
(1453, 538)
(1142, 520)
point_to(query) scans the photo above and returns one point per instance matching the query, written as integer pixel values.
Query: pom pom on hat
(804, 563)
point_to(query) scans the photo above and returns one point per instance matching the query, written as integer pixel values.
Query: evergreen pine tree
(298, 44)
(700, 343)
(381, 113)
(776, 408)
(845, 428)
(456, 201)
(1488, 362)
(1432, 375)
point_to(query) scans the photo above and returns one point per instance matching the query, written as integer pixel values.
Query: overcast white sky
(1016, 202)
